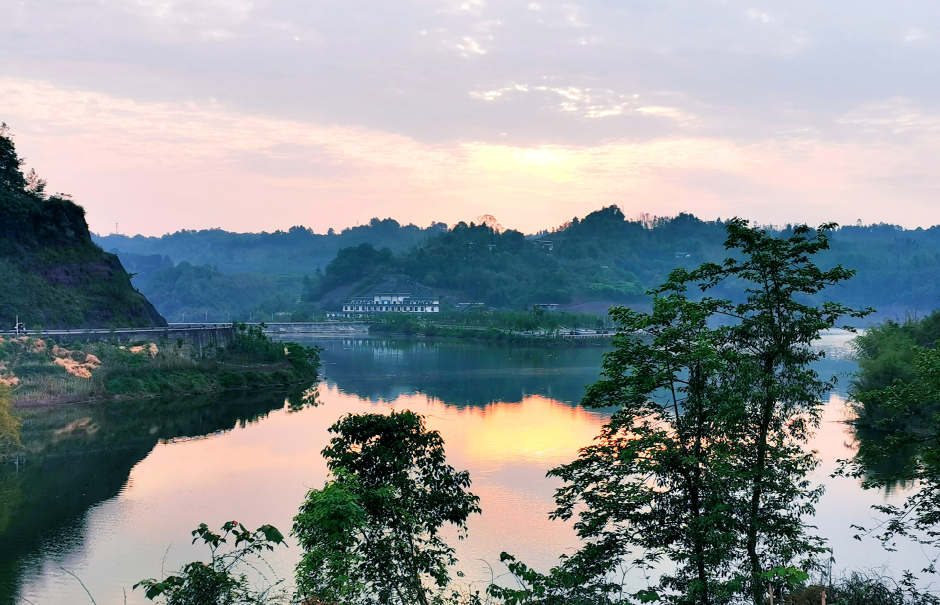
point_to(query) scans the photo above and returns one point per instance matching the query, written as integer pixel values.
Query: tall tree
(654, 484)
(372, 534)
(703, 464)
(774, 330)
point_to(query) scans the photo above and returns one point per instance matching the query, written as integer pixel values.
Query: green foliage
(251, 361)
(296, 251)
(488, 325)
(703, 464)
(353, 264)
(906, 416)
(864, 589)
(11, 177)
(197, 290)
(606, 257)
(776, 326)
(9, 425)
(222, 580)
(602, 257)
(372, 534)
(886, 352)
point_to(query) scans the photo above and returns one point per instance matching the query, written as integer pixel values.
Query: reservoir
(108, 493)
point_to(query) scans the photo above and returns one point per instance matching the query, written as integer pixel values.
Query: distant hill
(298, 250)
(51, 272)
(586, 264)
(606, 259)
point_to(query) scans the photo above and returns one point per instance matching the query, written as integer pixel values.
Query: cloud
(179, 113)
(465, 46)
(585, 102)
(666, 112)
(913, 35)
(897, 116)
(203, 20)
(157, 167)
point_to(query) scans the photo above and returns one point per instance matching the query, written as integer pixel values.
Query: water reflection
(78, 456)
(105, 490)
(457, 373)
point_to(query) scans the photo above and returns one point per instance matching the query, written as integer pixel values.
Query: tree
(703, 463)
(372, 534)
(899, 440)
(35, 185)
(11, 177)
(773, 330)
(653, 487)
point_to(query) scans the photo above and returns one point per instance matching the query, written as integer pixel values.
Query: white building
(391, 303)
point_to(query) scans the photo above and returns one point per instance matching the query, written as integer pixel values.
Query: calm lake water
(111, 492)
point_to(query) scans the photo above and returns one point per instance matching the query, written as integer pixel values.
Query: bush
(124, 385)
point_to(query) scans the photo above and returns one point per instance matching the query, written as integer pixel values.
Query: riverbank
(568, 338)
(40, 371)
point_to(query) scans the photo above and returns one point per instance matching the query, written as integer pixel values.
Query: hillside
(53, 275)
(587, 264)
(298, 250)
(606, 258)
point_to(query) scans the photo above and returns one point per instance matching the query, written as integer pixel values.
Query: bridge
(205, 335)
(198, 332)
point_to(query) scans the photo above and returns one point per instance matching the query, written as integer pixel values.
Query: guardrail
(198, 334)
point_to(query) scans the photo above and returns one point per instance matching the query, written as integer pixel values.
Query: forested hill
(297, 250)
(587, 264)
(605, 257)
(51, 273)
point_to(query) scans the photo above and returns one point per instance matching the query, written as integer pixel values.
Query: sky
(252, 115)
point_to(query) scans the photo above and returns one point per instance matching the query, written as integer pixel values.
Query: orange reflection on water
(535, 430)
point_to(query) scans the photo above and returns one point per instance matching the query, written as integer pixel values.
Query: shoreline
(62, 400)
(503, 339)
(40, 373)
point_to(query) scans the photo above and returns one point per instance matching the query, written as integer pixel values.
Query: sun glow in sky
(169, 114)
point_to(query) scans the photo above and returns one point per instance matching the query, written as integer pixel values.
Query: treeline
(606, 257)
(221, 276)
(297, 250)
(603, 258)
(187, 292)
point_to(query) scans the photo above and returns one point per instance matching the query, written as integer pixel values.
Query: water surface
(110, 492)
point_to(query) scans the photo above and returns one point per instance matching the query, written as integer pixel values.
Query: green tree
(372, 534)
(703, 464)
(9, 425)
(773, 330)
(11, 177)
(899, 443)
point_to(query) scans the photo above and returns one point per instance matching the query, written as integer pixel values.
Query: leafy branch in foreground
(222, 581)
(899, 429)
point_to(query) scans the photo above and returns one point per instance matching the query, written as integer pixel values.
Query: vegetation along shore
(535, 327)
(38, 370)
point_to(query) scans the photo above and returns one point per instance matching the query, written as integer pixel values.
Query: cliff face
(51, 273)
